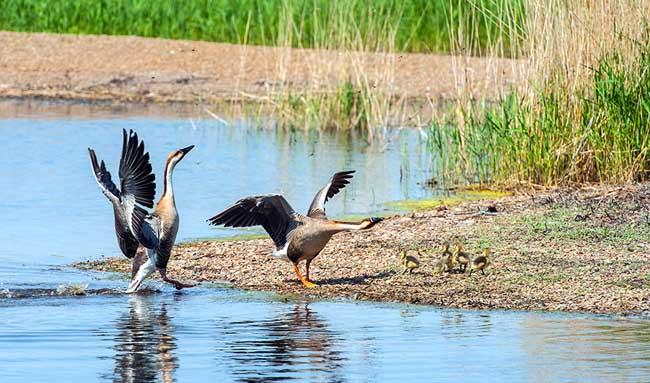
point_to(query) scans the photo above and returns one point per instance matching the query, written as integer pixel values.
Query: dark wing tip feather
(269, 211)
(102, 175)
(338, 182)
(136, 173)
(93, 159)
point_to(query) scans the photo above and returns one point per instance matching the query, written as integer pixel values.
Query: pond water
(54, 215)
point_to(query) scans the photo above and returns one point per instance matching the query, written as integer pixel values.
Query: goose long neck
(168, 192)
(345, 226)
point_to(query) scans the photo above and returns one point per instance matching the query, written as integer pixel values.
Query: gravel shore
(582, 250)
(137, 69)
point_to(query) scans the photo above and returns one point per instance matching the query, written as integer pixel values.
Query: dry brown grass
(566, 39)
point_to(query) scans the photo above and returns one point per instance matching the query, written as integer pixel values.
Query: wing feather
(103, 177)
(138, 186)
(338, 182)
(272, 212)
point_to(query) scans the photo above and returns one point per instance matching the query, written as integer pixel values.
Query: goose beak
(187, 150)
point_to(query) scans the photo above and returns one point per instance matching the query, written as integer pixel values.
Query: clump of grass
(345, 94)
(561, 224)
(583, 116)
(344, 107)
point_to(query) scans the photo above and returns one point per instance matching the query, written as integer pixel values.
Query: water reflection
(612, 350)
(145, 343)
(297, 344)
(461, 324)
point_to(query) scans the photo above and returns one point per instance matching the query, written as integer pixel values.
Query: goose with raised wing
(134, 226)
(297, 237)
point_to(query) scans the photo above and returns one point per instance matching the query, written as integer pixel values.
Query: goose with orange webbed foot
(297, 237)
(134, 226)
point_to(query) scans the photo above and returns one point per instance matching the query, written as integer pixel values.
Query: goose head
(370, 222)
(486, 252)
(177, 155)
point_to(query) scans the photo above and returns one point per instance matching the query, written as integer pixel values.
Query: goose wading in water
(297, 237)
(134, 226)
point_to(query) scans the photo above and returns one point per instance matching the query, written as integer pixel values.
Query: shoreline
(585, 250)
(153, 70)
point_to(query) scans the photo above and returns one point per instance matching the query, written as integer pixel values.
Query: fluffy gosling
(408, 262)
(448, 257)
(461, 258)
(439, 265)
(481, 262)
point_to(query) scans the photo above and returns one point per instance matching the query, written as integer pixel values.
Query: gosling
(448, 258)
(481, 262)
(408, 262)
(439, 265)
(461, 258)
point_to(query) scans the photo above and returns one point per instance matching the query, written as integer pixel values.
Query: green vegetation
(453, 200)
(561, 224)
(599, 134)
(583, 119)
(580, 115)
(408, 25)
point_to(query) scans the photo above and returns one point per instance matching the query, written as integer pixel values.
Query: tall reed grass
(358, 90)
(583, 115)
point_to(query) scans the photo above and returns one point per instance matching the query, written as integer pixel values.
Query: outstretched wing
(103, 178)
(125, 239)
(138, 183)
(137, 187)
(338, 182)
(272, 212)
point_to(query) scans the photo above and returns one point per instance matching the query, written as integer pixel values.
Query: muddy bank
(136, 69)
(585, 250)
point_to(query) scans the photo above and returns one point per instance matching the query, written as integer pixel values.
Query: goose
(134, 226)
(297, 237)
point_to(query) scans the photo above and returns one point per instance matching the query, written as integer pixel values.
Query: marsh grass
(416, 25)
(342, 95)
(358, 91)
(581, 116)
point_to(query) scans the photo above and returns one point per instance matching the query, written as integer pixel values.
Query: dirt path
(565, 251)
(157, 70)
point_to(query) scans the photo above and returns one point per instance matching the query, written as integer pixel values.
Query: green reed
(417, 25)
(600, 133)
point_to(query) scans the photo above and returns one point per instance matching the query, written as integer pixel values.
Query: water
(55, 214)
